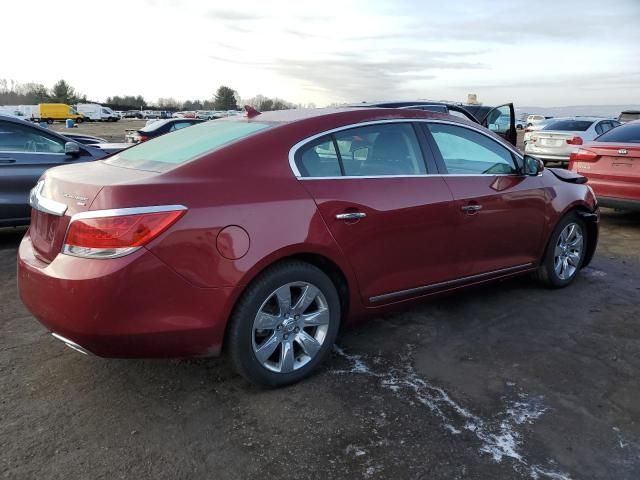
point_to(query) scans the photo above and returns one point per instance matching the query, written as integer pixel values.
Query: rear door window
(467, 152)
(319, 159)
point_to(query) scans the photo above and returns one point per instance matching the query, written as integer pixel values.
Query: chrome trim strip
(116, 212)
(46, 205)
(97, 253)
(301, 143)
(435, 286)
(70, 344)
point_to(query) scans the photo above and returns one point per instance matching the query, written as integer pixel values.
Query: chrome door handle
(350, 216)
(471, 208)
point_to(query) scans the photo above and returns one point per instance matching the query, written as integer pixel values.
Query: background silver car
(562, 136)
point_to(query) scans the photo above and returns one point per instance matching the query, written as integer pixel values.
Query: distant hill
(584, 110)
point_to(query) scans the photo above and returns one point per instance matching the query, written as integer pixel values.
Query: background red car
(264, 233)
(612, 164)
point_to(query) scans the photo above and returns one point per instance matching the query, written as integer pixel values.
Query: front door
(501, 211)
(393, 222)
(25, 153)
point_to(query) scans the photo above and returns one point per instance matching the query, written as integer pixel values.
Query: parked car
(539, 125)
(521, 124)
(51, 112)
(97, 113)
(562, 136)
(84, 139)
(157, 128)
(612, 164)
(500, 119)
(26, 151)
(132, 114)
(266, 232)
(534, 119)
(629, 116)
(208, 115)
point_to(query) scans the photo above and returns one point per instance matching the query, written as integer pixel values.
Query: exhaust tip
(70, 344)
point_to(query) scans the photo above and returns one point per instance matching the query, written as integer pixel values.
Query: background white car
(562, 136)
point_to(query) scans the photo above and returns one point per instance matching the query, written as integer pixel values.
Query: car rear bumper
(133, 306)
(619, 203)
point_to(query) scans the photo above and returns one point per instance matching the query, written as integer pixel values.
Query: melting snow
(498, 435)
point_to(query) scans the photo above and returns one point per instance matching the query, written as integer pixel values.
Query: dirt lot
(114, 132)
(505, 381)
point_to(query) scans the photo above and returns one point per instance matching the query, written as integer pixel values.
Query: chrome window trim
(293, 150)
(46, 205)
(107, 253)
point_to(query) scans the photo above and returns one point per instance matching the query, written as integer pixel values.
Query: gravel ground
(505, 381)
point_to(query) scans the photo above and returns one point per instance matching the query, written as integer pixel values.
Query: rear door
(392, 221)
(501, 212)
(25, 153)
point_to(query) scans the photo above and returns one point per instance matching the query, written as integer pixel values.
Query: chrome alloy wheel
(568, 251)
(290, 327)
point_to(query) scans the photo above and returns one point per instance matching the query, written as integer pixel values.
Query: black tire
(240, 335)
(79, 120)
(546, 271)
(49, 121)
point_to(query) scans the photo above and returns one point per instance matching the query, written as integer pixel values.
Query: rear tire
(49, 121)
(565, 252)
(284, 325)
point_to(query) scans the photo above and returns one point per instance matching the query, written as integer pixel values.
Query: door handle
(471, 208)
(351, 216)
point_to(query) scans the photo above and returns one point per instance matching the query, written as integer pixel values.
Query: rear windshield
(181, 146)
(629, 116)
(569, 125)
(628, 133)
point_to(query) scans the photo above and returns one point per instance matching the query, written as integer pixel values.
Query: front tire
(565, 252)
(284, 325)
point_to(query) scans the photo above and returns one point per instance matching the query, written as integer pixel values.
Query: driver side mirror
(532, 166)
(72, 149)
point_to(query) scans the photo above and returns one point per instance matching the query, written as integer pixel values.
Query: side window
(600, 128)
(18, 138)
(318, 159)
(466, 152)
(384, 149)
(499, 119)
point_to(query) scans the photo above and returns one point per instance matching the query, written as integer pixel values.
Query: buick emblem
(622, 151)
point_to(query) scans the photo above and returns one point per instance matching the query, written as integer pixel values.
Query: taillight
(575, 141)
(114, 233)
(142, 138)
(583, 155)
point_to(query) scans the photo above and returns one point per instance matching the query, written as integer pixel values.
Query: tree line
(225, 98)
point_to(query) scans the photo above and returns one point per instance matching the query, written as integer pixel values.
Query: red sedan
(261, 234)
(612, 164)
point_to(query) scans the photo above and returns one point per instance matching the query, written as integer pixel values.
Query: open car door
(502, 120)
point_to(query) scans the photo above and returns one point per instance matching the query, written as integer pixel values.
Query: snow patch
(499, 436)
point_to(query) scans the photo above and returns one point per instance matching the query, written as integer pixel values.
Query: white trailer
(97, 113)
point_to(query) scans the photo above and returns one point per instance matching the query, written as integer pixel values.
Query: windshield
(628, 133)
(569, 125)
(184, 145)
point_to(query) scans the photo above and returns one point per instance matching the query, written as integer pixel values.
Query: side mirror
(72, 149)
(532, 166)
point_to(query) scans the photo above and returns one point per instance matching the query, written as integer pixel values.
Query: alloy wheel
(290, 327)
(568, 251)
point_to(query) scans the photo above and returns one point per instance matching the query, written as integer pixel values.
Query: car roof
(577, 117)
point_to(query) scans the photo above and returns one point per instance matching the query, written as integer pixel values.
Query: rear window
(569, 125)
(184, 145)
(629, 116)
(628, 133)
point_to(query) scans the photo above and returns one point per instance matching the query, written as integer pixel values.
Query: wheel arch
(338, 273)
(591, 222)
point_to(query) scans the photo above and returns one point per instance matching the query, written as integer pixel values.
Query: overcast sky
(545, 53)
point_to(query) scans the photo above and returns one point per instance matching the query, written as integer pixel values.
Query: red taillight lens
(97, 236)
(142, 138)
(575, 141)
(583, 155)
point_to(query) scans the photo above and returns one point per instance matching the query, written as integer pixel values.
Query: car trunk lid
(72, 188)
